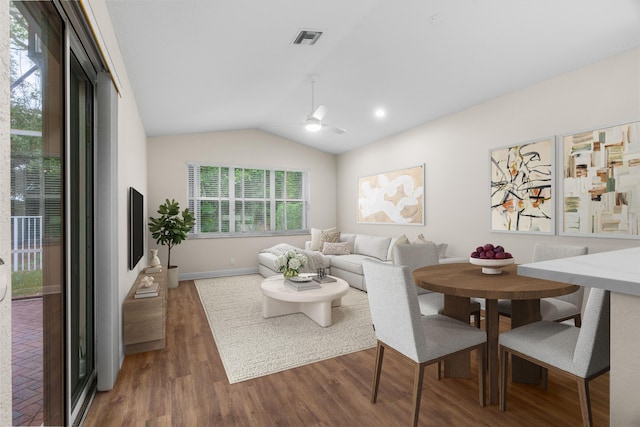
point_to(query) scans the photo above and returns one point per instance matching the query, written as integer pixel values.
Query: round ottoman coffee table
(278, 299)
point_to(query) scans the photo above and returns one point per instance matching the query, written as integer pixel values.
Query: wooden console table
(144, 319)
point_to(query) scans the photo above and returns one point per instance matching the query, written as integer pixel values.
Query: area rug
(251, 346)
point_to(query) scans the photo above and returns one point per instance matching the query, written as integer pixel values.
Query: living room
(453, 148)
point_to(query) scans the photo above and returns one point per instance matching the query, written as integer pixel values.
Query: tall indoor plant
(170, 229)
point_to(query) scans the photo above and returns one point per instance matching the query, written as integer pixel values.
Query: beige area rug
(251, 346)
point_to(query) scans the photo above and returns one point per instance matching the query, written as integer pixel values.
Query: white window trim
(192, 198)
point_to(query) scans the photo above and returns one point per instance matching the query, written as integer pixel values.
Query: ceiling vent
(307, 37)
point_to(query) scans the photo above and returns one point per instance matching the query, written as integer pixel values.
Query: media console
(144, 319)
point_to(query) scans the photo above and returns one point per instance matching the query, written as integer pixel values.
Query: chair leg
(544, 378)
(504, 366)
(417, 391)
(476, 317)
(439, 372)
(482, 373)
(585, 401)
(377, 371)
(577, 320)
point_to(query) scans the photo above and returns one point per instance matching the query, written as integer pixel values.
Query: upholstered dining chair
(423, 340)
(420, 255)
(581, 353)
(556, 309)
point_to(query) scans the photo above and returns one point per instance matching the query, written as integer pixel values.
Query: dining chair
(556, 309)
(580, 353)
(420, 255)
(423, 340)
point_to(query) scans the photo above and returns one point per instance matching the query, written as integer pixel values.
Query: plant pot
(172, 277)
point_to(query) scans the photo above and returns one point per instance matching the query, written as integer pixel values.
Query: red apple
(488, 247)
(507, 255)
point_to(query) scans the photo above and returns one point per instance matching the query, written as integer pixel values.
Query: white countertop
(617, 271)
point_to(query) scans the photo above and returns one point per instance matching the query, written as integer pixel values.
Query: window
(234, 200)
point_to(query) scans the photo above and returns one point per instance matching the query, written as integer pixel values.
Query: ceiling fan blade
(320, 112)
(333, 129)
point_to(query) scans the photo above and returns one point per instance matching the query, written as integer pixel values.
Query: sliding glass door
(52, 217)
(81, 249)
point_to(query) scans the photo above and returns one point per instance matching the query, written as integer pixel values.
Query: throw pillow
(396, 241)
(420, 239)
(341, 248)
(329, 237)
(315, 238)
(442, 249)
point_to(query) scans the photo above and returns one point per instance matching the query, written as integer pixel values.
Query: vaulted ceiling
(211, 65)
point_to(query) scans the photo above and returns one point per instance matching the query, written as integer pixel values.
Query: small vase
(290, 273)
(155, 261)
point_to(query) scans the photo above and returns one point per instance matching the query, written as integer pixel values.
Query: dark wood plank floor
(185, 385)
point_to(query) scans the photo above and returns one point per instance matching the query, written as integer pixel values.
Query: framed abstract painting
(395, 197)
(601, 182)
(522, 187)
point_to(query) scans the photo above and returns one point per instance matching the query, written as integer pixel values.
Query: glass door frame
(73, 47)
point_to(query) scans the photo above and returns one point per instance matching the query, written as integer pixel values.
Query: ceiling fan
(314, 121)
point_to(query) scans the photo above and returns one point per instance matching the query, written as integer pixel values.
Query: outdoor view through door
(51, 219)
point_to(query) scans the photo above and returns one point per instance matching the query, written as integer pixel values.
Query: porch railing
(26, 243)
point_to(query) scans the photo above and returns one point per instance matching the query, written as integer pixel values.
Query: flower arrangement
(290, 262)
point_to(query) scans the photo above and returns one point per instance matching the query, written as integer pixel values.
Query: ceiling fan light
(313, 127)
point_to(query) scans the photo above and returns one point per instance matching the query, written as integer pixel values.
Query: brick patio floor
(26, 361)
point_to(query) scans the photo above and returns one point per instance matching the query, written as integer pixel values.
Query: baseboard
(218, 273)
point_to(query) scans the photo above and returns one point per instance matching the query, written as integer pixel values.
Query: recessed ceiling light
(380, 113)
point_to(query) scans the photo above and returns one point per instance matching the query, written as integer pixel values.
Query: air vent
(307, 37)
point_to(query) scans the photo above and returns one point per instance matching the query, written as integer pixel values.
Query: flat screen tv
(136, 227)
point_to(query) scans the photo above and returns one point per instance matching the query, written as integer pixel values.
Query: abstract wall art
(522, 186)
(601, 182)
(392, 197)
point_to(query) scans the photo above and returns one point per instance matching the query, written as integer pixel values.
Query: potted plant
(170, 229)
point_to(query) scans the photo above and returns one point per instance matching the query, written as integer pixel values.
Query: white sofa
(349, 266)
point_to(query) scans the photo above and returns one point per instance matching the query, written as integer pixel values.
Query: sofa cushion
(340, 248)
(351, 263)
(373, 246)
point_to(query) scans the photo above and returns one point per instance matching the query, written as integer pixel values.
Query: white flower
(290, 260)
(294, 263)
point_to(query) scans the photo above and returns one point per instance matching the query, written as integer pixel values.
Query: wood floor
(185, 385)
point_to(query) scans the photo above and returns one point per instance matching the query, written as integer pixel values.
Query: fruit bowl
(491, 266)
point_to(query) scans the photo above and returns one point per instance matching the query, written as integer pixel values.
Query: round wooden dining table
(461, 281)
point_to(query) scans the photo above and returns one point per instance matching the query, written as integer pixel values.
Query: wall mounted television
(136, 227)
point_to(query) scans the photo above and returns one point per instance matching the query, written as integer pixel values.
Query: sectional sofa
(342, 257)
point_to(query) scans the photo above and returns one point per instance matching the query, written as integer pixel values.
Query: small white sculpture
(146, 282)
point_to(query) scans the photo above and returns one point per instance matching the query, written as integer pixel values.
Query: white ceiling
(211, 65)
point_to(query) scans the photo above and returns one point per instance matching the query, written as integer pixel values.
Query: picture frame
(522, 187)
(394, 197)
(600, 191)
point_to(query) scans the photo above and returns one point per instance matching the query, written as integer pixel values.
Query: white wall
(167, 159)
(5, 227)
(455, 151)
